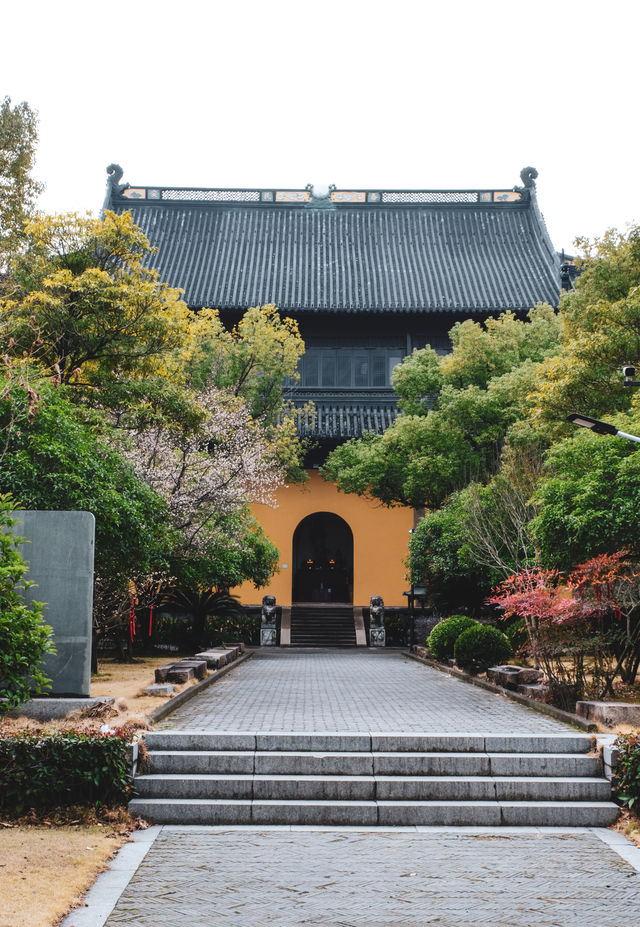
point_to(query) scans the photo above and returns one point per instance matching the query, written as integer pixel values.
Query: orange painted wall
(380, 541)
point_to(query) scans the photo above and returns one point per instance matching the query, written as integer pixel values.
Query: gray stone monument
(58, 549)
(268, 622)
(377, 633)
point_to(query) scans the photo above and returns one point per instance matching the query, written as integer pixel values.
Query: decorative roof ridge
(310, 197)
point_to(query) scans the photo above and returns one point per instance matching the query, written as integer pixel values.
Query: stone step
(306, 763)
(317, 627)
(370, 788)
(372, 813)
(356, 742)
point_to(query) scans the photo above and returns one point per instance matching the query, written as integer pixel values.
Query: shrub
(516, 634)
(627, 770)
(24, 638)
(44, 770)
(442, 639)
(478, 648)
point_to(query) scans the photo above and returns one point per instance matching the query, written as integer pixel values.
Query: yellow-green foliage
(86, 307)
(600, 333)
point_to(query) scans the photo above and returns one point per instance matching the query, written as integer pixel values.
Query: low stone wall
(610, 714)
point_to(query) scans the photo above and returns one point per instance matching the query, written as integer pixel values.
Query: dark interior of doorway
(323, 559)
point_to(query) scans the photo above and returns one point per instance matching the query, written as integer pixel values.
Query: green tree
(437, 557)
(97, 312)
(252, 360)
(197, 410)
(24, 637)
(482, 351)
(57, 461)
(589, 498)
(18, 190)
(600, 334)
(423, 458)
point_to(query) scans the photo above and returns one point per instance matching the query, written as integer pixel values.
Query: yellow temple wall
(380, 541)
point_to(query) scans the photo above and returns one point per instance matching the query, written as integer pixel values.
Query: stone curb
(540, 707)
(101, 898)
(190, 693)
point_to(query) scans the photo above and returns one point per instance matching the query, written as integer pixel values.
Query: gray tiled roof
(401, 252)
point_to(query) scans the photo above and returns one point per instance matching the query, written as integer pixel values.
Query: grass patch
(47, 865)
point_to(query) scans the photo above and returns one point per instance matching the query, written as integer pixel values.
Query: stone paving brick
(358, 879)
(351, 691)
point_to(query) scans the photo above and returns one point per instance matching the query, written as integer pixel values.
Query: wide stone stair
(322, 626)
(373, 779)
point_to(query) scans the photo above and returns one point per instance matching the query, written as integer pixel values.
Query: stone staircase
(373, 779)
(322, 626)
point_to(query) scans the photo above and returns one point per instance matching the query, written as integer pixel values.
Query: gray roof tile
(389, 256)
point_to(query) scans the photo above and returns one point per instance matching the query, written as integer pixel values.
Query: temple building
(369, 275)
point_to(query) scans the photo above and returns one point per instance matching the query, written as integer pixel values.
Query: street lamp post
(600, 428)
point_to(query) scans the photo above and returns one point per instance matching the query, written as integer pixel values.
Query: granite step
(366, 779)
(330, 741)
(372, 788)
(372, 814)
(382, 764)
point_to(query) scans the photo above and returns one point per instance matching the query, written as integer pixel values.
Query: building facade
(369, 275)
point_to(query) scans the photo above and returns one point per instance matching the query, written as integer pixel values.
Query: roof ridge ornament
(528, 176)
(114, 186)
(321, 195)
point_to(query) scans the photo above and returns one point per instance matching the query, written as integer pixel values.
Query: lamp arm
(623, 434)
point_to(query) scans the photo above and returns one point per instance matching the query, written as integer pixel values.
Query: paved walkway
(351, 691)
(349, 877)
(286, 877)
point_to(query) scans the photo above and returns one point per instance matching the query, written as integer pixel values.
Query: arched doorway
(323, 559)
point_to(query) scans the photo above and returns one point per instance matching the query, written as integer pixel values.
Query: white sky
(360, 93)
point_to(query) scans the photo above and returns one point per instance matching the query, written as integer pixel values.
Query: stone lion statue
(376, 611)
(268, 614)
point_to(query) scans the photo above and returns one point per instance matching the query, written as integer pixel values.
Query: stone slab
(193, 811)
(161, 673)
(537, 690)
(200, 740)
(610, 714)
(213, 658)
(426, 743)
(322, 788)
(431, 764)
(450, 813)
(199, 667)
(313, 763)
(50, 709)
(160, 689)
(355, 813)
(559, 814)
(200, 762)
(511, 676)
(548, 743)
(239, 646)
(195, 786)
(544, 764)
(59, 551)
(316, 741)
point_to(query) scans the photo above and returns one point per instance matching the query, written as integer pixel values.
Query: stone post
(377, 633)
(268, 627)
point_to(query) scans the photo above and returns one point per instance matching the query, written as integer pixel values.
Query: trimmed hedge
(479, 648)
(627, 770)
(56, 768)
(442, 639)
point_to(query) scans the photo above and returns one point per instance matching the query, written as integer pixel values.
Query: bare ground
(48, 862)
